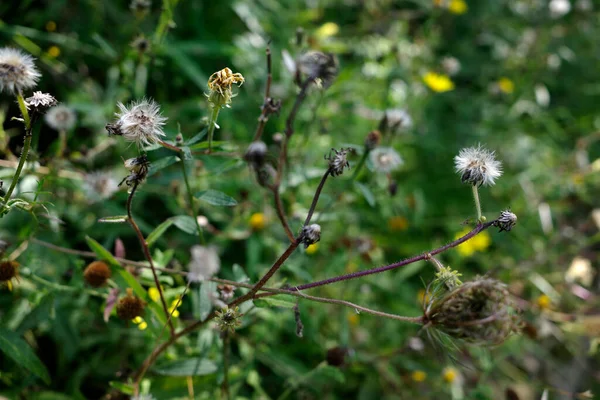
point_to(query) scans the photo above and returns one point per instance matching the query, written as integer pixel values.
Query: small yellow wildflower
(397, 223)
(543, 302)
(419, 376)
(154, 294)
(449, 374)
(173, 309)
(139, 321)
(258, 221)
(328, 29)
(50, 26)
(457, 7)
(312, 249)
(353, 318)
(506, 85)
(53, 51)
(438, 82)
(479, 242)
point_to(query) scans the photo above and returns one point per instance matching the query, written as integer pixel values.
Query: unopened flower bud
(8, 270)
(256, 152)
(506, 221)
(311, 234)
(372, 140)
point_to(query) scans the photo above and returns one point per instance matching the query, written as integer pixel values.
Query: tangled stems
(146, 250)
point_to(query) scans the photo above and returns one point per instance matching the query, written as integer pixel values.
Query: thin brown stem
(170, 146)
(281, 214)
(146, 251)
(316, 197)
(264, 115)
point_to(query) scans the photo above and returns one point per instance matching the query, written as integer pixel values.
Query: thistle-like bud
(311, 234)
(372, 140)
(97, 273)
(8, 269)
(477, 166)
(338, 161)
(17, 71)
(219, 85)
(479, 311)
(40, 102)
(130, 306)
(320, 67)
(256, 152)
(229, 319)
(506, 221)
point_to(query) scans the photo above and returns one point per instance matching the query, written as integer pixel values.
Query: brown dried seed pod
(130, 306)
(97, 273)
(8, 270)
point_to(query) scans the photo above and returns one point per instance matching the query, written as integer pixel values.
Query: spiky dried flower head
(8, 269)
(140, 122)
(97, 273)
(506, 221)
(205, 263)
(219, 86)
(338, 161)
(481, 311)
(385, 159)
(17, 71)
(395, 120)
(310, 234)
(229, 319)
(138, 170)
(130, 306)
(40, 102)
(321, 68)
(477, 166)
(61, 118)
(372, 140)
(256, 152)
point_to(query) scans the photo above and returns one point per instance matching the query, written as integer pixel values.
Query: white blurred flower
(477, 166)
(140, 122)
(542, 95)
(17, 71)
(100, 185)
(396, 119)
(385, 159)
(61, 118)
(451, 65)
(558, 8)
(204, 264)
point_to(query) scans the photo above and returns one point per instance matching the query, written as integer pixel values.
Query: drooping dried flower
(320, 67)
(385, 159)
(204, 264)
(310, 234)
(17, 71)
(219, 85)
(477, 166)
(338, 161)
(97, 273)
(141, 122)
(61, 118)
(40, 102)
(138, 170)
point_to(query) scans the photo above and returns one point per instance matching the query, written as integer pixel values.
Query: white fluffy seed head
(477, 166)
(140, 122)
(17, 71)
(204, 264)
(61, 118)
(385, 159)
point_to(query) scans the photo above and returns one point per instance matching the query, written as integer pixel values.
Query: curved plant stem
(281, 214)
(211, 126)
(316, 197)
(146, 251)
(170, 146)
(191, 201)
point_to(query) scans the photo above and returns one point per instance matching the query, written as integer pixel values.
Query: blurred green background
(520, 77)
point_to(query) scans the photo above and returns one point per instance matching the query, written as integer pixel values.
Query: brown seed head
(97, 273)
(8, 270)
(130, 306)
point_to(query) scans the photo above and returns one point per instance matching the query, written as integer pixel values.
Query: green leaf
(101, 252)
(277, 301)
(216, 198)
(16, 348)
(114, 220)
(190, 367)
(158, 232)
(162, 163)
(366, 192)
(185, 223)
(216, 144)
(196, 138)
(122, 387)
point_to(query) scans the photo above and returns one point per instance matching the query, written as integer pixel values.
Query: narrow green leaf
(16, 348)
(216, 198)
(114, 220)
(217, 145)
(190, 367)
(196, 138)
(366, 192)
(122, 387)
(277, 301)
(101, 252)
(185, 223)
(158, 232)
(162, 163)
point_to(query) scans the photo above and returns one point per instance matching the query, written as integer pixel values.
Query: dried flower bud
(17, 71)
(140, 123)
(477, 166)
(138, 167)
(61, 118)
(393, 187)
(256, 152)
(228, 319)
(311, 234)
(336, 356)
(140, 7)
(479, 311)
(322, 68)
(372, 140)
(219, 85)
(130, 306)
(506, 221)
(338, 161)
(97, 273)
(40, 102)
(8, 269)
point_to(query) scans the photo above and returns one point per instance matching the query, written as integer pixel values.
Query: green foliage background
(544, 131)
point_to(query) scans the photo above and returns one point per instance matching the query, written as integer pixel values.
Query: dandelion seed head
(17, 71)
(61, 118)
(205, 263)
(321, 67)
(477, 166)
(385, 159)
(140, 122)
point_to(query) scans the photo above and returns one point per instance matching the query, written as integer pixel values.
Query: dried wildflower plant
(219, 85)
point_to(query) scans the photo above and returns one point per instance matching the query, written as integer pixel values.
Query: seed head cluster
(40, 102)
(140, 122)
(385, 159)
(310, 234)
(477, 166)
(17, 71)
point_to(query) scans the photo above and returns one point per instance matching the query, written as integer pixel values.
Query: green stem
(477, 203)
(211, 126)
(24, 152)
(191, 201)
(360, 164)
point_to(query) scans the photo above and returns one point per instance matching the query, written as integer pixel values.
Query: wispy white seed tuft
(61, 118)
(204, 264)
(477, 166)
(17, 71)
(140, 122)
(385, 159)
